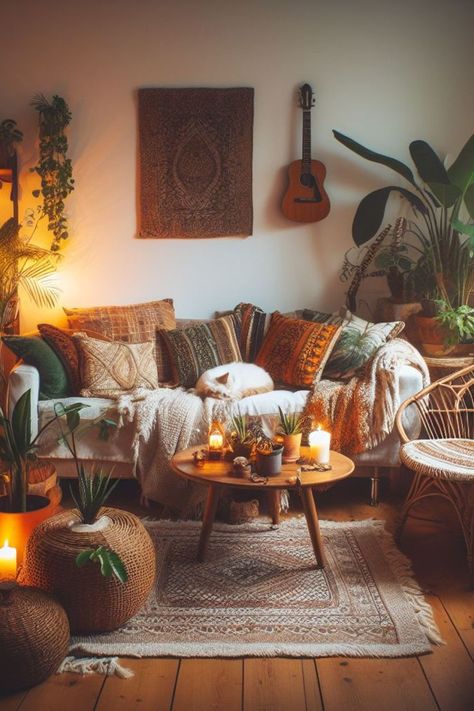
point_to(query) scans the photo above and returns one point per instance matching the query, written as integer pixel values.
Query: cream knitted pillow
(110, 367)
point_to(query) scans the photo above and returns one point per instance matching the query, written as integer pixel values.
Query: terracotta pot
(17, 527)
(270, 464)
(291, 447)
(433, 336)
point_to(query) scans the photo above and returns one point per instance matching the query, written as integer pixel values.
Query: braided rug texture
(259, 594)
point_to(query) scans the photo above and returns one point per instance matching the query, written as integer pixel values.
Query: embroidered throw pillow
(357, 342)
(135, 323)
(295, 351)
(110, 367)
(35, 351)
(196, 349)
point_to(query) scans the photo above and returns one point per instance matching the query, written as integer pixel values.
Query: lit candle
(319, 446)
(7, 563)
(216, 440)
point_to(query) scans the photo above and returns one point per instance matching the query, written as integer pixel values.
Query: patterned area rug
(260, 593)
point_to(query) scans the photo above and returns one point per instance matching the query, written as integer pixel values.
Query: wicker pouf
(34, 637)
(93, 603)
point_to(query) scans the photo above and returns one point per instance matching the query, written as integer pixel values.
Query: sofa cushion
(35, 351)
(135, 323)
(254, 323)
(357, 342)
(198, 348)
(295, 351)
(66, 350)
(111, 367)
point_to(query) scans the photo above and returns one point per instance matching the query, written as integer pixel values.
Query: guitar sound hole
(307, 179)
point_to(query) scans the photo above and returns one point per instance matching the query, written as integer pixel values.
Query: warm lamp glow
(7, 563)
(216, 440)
(319, 445)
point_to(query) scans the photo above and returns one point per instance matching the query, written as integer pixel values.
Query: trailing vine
(54, 167)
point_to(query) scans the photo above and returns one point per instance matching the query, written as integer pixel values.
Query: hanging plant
(54, 168)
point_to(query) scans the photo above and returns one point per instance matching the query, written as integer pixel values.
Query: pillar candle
(319, 446)
(7, 563)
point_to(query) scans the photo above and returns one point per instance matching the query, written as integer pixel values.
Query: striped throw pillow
(254, 324)
(357, 342)
(196, 349)
(295, 351)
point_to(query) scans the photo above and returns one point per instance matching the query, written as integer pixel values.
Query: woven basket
(93, 603)
(34, 637)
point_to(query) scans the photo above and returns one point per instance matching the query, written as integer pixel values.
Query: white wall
(384, 73)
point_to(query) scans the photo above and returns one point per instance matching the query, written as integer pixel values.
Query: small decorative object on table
(34, 637)
(319, 446)
(216, 440)
(291, 428)
(241, 467)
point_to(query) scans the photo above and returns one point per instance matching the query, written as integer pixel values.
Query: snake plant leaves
(366, 153)
(461, 173)
(371, 210)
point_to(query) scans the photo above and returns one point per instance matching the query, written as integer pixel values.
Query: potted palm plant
(443, 243)
(19, 511)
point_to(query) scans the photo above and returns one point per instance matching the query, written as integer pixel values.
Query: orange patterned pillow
(294, 354)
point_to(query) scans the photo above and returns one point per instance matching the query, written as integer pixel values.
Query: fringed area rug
(259, 593)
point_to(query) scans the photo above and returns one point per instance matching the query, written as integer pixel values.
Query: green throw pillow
(357, 343)
(34, 351)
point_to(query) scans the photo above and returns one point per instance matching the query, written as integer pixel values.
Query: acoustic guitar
(305, 199)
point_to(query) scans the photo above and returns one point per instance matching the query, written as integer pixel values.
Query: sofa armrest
(24, 377)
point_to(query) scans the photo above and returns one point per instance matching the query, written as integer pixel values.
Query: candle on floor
(7, 563)
(319, 446)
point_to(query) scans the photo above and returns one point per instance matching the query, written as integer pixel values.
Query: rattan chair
(442, 459)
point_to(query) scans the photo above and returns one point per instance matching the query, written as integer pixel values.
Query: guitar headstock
(306, 97)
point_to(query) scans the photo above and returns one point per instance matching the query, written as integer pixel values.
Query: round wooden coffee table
(216, 474)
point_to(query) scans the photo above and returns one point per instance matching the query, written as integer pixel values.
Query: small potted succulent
(268, 455)
(59, 549)
(242, 436)
(290, 427)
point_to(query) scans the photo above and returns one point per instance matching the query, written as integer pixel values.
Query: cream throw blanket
(165, 422)
(360, 413)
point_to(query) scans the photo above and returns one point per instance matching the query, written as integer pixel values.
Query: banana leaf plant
(18, 447)
(437, 196)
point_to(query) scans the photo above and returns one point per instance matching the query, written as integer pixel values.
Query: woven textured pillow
(357, 343)
(295, 351)
(135, 323)
(35, 351)
(254, 324)
(110, 367)
(66, 350)
(198, 348)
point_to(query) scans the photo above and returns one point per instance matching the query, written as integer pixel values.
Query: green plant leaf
(463, 228)
(445, 194)
(428, 164)
(469, 200)
(83, 558)
(368, 154)
(21, 423)
(371, 211)
(461, 173)
(118, 567)
(105, 565)
(73, 420)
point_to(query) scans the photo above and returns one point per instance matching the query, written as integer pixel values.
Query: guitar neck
(306, 141)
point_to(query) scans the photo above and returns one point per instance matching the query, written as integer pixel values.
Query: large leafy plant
(437, 197)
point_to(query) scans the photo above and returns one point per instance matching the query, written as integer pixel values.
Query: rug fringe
(109, 666)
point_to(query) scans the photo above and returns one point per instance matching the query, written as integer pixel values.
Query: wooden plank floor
(442, 681)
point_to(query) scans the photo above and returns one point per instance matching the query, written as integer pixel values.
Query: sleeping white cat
(233, 381)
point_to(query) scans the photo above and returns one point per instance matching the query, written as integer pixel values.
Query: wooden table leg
(208, 520)
(274, 505)
(312, 521)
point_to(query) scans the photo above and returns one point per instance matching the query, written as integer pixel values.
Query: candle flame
(5, 545)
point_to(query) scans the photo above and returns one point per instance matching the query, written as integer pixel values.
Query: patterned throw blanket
(360, 413)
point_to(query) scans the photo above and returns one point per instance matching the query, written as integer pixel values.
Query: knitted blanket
(360, 413)
(165, 422)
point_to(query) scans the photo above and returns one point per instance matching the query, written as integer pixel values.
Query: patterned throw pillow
(35, 351)
(197, 348)
(111, 367)
(295, 351)
(254, 324)
(135, 323)
(66, 350)
(357, 343)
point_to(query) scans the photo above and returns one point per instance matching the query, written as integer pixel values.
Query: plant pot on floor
(16, 527)
(93, 603)
(270, 464)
